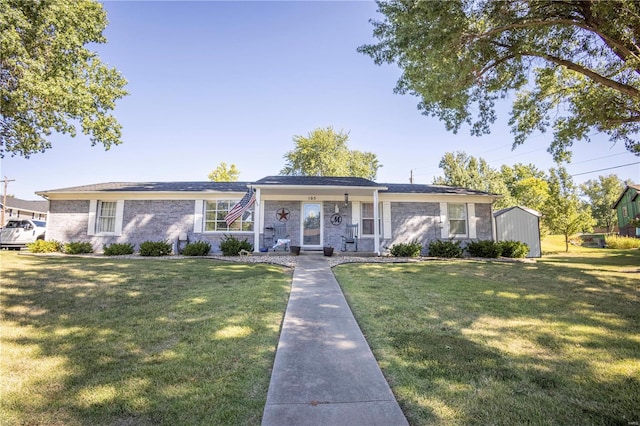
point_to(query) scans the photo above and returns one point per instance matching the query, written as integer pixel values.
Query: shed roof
(526, 209)
(632, 186)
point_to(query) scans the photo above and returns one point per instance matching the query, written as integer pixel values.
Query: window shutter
(444, 223)
(386, 219)
(197, 216)
(91, 226)
(119, 217)
(355, 213)
(471, 216)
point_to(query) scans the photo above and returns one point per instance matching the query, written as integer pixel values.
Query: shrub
(155, 248)
(42, 246)
(118, 249)
(484, 248)
(412, 249)
(198, 248)
(514, 249)
(615, 242)
(78, 247)
(231, 246)
(439, 248)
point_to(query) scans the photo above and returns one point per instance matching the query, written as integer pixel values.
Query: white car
(18, 233)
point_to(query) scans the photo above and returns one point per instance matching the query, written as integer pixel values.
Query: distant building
(24, 209)
(628, 208)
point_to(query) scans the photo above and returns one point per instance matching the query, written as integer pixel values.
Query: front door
(311, 225)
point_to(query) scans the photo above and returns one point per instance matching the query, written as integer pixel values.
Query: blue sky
(235, 81)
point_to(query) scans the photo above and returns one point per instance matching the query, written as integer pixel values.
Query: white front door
(311, 225)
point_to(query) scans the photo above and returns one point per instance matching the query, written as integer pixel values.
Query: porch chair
(280, 236)
(350, 237)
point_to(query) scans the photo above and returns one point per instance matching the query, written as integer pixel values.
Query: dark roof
(156, 187)
(412, 188)
(317, 181)
(39, 206)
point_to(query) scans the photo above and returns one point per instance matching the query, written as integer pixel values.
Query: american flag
(237, 210)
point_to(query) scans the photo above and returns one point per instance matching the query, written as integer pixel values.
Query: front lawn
(137, 341)
(470, 342)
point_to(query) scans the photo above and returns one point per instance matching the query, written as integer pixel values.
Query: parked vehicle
(18, 233)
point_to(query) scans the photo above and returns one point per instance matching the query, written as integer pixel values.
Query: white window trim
(93, 216)
(470, 222)
(200, 222)
(380, 221)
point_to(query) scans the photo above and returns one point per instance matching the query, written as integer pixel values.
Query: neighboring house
(24, 209)
(628, 207)
(315, 210)
(519, 224)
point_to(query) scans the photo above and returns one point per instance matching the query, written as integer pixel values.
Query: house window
(106, 217)
(625, 213)
(215, 212)
(457, 219)
(368, 220)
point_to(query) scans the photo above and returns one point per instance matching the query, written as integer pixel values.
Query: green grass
(474, 343)
(138, 341)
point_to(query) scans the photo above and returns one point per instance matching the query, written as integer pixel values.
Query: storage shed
(519, 224)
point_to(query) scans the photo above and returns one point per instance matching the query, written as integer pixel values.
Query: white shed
(519, 224)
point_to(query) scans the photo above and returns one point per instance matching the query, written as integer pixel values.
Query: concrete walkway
(324, 371)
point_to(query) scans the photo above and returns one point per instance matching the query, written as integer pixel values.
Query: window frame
(215, 216)
(101, 218)
(372, 219)
(464, 218)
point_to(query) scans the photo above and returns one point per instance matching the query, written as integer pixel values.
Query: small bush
(198, 248)
(155, 248)
(615, 242)
(78, 247)
(231, 246)
(484, 248)
(514, 249)
(412, 249)
(439, 248)
(118, 249)
(42, 246)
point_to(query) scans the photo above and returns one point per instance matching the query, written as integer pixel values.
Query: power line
(598, 158)
(608, 168)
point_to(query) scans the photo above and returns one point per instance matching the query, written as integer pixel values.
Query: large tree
(466, 171)
(324, 152)
(49, 80)
(602, 193)
(563, 213)
(574, 65)
(527, 185)
(224, 173)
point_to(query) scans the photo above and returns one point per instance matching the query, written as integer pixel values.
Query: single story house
(520, 223)
(627, 206)
(315, 211)
(16, 208)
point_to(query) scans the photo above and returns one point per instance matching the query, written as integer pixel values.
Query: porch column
(376, 228)
(257, 214)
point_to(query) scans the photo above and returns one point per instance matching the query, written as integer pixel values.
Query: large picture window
(215, 212)
(368, 220)
(106, 217)
(457, 219)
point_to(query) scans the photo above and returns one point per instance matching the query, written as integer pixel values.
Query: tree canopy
(224, 173)
(324, 152)
(49, 80)
(602, 193)
(574, 65)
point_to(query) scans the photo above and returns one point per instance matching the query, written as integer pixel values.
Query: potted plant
(328, 251)
(294, 250)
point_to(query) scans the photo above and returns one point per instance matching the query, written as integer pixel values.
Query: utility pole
(411, 176)
(4, 199)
